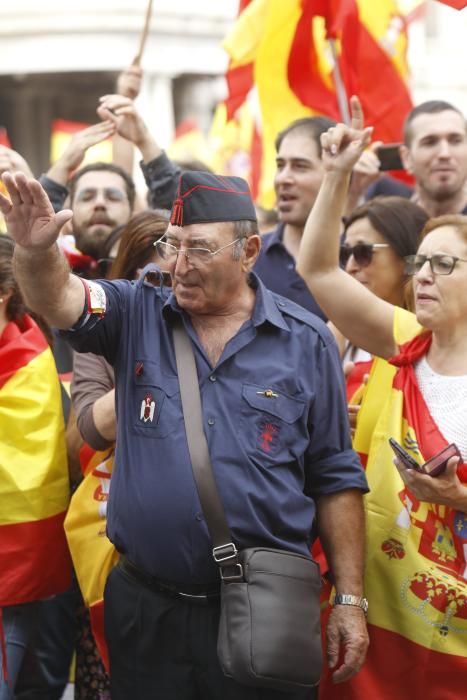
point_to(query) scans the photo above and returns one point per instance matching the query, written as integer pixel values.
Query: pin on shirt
(268, 393)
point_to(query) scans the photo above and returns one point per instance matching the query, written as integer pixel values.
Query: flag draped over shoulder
(93, 554)
(282, 51)
(34, 486)
(416, 570)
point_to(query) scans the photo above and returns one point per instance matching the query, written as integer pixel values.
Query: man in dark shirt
(297, 181)
(275, 418)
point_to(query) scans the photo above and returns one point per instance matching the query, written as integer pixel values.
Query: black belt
(198, 594)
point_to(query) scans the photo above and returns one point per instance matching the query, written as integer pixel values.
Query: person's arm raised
(40, 268)
(362, 317)
(129, 124)
(76, 149)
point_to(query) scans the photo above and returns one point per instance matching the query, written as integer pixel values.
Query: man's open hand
(29, 215)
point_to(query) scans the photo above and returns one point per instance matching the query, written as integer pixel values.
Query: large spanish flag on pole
(416, 572)
(306, 57)
(34, 486)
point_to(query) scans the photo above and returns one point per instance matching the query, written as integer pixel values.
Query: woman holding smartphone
(417, 524)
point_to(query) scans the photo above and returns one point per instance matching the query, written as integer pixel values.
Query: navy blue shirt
(272, 456)
(276, 268)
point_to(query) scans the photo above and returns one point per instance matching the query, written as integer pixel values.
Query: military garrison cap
(203, 197)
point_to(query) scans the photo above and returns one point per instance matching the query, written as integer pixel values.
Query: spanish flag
(239, 75)
(92, 552)
(34, 486)
(416, 572)
(283, 51)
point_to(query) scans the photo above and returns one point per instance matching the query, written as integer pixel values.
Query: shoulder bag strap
(224, 550)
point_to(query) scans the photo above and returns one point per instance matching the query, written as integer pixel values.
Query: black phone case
(404, 456)
(389, 157)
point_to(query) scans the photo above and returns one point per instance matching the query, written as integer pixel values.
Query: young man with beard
(102, 197)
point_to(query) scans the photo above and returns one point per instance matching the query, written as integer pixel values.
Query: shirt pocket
(273, 424)
(156, 401)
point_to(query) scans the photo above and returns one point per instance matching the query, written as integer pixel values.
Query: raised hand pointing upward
(343, 145)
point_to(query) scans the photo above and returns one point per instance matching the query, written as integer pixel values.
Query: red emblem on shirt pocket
(148, 406)
(268, 435)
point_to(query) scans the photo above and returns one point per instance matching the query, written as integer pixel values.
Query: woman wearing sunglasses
(416, 570)
(377, 237)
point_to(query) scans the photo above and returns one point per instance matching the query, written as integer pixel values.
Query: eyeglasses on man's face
(440, 264)
(362, 253)
(170, 252)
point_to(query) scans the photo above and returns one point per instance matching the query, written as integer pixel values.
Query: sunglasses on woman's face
(362, 253)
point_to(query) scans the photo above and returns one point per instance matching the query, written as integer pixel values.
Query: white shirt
(446, 398)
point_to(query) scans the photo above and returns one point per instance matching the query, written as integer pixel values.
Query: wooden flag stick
(144, 34)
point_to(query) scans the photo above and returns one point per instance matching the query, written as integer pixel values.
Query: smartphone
(437, 464)
(389, 156)
(434, 466)
(404, 456)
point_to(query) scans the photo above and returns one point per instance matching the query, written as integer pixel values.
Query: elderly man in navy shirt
(274, 415)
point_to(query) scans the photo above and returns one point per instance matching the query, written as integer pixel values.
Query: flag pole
(341, 93)
(144, 35)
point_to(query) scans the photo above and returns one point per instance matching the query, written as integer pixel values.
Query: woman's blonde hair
(457, 221)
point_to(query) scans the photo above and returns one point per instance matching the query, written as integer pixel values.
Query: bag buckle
(224, 552)
(232, 572)
(226, 555)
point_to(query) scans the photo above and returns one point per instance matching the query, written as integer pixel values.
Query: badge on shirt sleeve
(148, 406)
(95, 298)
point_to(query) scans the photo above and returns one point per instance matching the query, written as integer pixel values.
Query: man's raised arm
(40, 268)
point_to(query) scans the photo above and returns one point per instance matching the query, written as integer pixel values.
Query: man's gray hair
(242, 230)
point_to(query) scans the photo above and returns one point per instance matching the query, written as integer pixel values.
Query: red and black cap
(204, 197)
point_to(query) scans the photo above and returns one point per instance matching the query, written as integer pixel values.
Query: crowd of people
(314, 342)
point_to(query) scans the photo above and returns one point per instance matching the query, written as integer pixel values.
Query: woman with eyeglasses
(416, 570)
(377, 237)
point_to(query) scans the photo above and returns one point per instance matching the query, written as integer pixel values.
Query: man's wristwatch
(345, 599)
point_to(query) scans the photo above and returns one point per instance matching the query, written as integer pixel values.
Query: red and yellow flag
(34, 486)
(282, 51)
(416, 571)
(93, 554)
